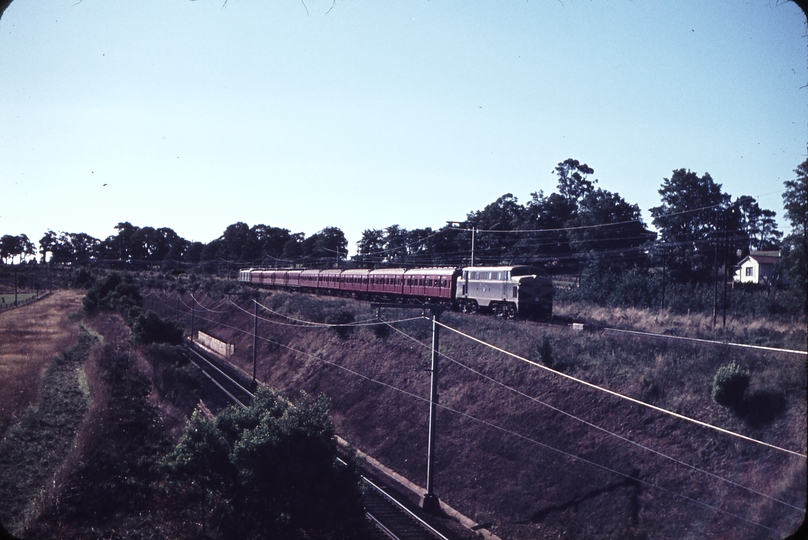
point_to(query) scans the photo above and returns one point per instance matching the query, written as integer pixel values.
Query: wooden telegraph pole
(429, 501)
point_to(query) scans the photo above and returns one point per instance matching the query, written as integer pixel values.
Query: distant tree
(506, 215)
(757, 226)
(551, 213)
(688, 220)
(271, 242)
(293, 248)
(16, 246)
(795, 201)
(325, 248)
(420, 247)
(395, 245)
(608, 229)
(78, 248)
(85, 247)
(370, 248)
(573, 180)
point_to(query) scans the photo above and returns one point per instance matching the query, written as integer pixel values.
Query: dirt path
(30, 338)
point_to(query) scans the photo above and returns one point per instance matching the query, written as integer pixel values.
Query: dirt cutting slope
(528, 452)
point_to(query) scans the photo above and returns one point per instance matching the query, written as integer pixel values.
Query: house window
(750, 271)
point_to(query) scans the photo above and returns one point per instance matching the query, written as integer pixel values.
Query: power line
(528, 439)
(617, 394)
(595, 426)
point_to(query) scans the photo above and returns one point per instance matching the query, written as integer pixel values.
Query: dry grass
(525, 489)
(751, 330)
(31, 337)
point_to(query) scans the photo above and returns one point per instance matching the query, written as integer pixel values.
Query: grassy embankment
(505, 451)
(504, 455)
(42, 397)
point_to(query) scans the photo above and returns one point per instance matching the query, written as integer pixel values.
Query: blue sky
(360, 114)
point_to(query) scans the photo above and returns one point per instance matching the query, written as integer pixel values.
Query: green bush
(151, 328)
(341, 317)
(270, 471)
(729, 384)
(543, 351)
(115, 292)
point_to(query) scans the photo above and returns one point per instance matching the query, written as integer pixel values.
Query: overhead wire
(595, 426)
(505, 430)
(518, 435)
(622, 396)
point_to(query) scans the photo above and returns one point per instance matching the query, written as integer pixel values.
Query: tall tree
(757, 226)
(370, 248)
(688, 220)
(506, 215)
(608, 229)
(16, 246)
(795, 201)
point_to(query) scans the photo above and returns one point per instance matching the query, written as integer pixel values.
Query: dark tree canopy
(270, 470)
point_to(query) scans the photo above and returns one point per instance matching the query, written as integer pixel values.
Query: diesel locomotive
(508, 291)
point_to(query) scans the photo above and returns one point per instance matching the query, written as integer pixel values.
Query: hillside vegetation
(522, 447)
(528, 451)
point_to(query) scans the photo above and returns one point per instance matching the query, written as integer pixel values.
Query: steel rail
(223, 374)
(390, 499)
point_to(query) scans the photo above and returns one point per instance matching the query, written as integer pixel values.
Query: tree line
(580, 229)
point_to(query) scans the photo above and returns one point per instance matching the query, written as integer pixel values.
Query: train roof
(521, 269)
(438, 271)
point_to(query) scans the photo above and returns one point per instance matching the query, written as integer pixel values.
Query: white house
(757, 267)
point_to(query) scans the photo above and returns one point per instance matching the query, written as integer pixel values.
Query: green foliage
(269, 471)
(117, 471)
(151, 328)
(42, 438)
(729, 384)
(82, 280)
(543, 351)
(173, 375)
(381, 331)
(115, 292)
(342, 317)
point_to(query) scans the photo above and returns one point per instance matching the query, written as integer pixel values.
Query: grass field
(8, 299)
(32, 337)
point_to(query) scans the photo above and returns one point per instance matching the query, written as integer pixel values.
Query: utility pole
(663, 279)
(463, 226)
(255, 342)
(430, 501)
(193, 314)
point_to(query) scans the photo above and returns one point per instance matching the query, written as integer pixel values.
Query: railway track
(393, 519)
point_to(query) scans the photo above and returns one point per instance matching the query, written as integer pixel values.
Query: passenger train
(508, 291)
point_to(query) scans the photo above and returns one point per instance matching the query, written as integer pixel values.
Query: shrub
(114, 292)
(269, 470)
(150, 328)
(543, 351)
(729, 384)
(341, 317)
(381, 331)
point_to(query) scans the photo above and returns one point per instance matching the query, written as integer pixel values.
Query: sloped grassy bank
(508, 456)
(37, 444)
